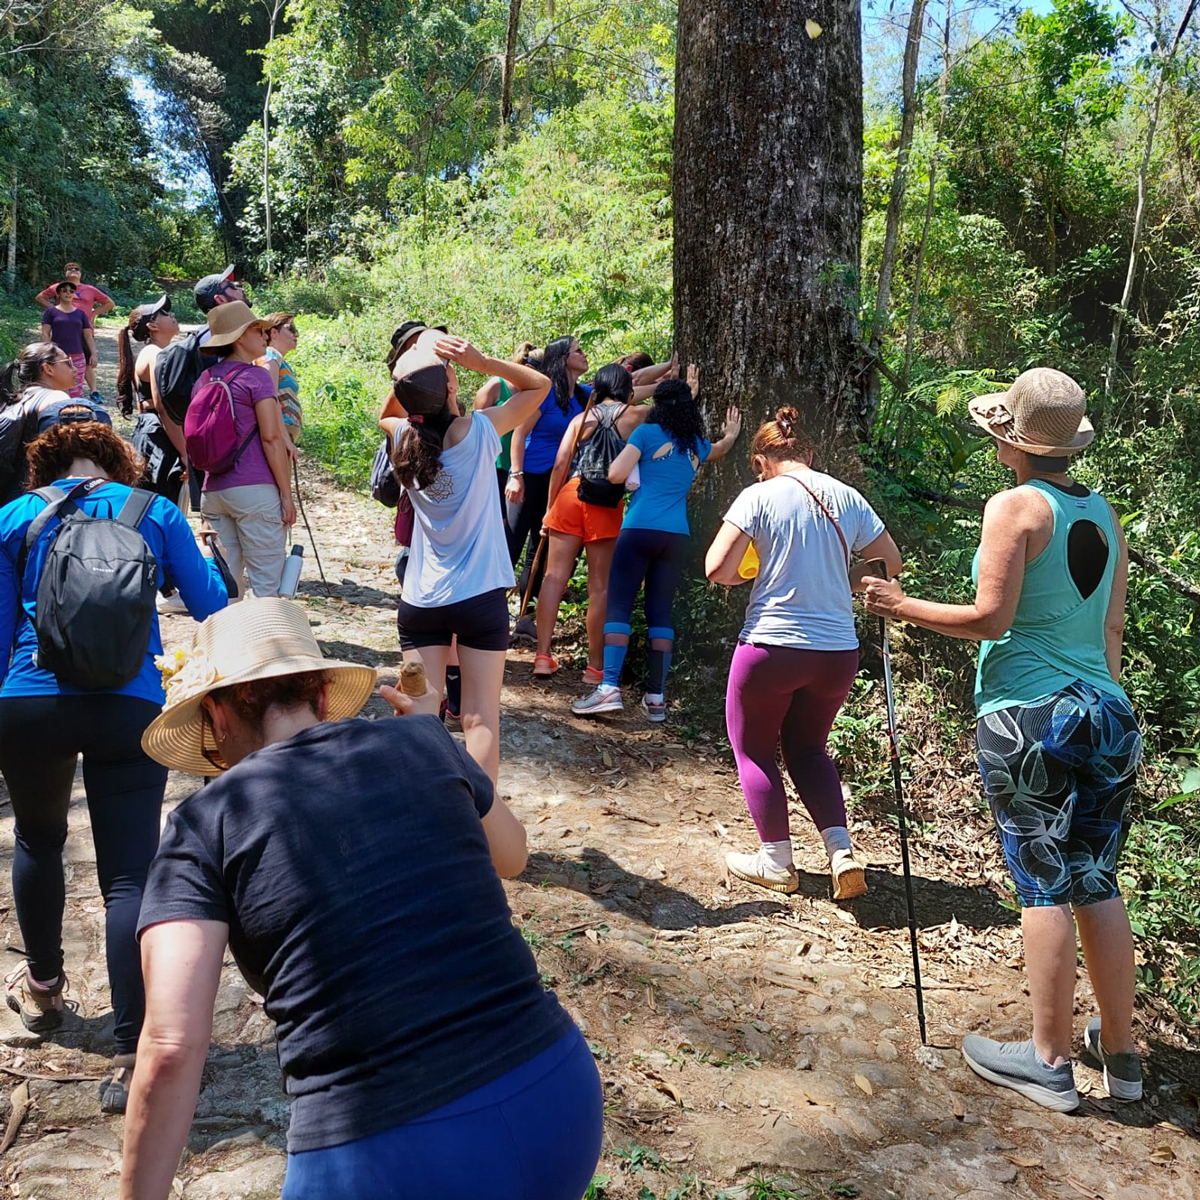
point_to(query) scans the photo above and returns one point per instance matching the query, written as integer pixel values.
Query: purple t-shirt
(66, 328)
(249, 385)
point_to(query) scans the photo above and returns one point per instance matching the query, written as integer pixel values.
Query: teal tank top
(1057, 636)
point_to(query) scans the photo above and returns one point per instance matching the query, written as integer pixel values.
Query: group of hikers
(354, 867)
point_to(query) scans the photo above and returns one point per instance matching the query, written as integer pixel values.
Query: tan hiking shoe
(754, 868)
(849, 877)
(40, 1009)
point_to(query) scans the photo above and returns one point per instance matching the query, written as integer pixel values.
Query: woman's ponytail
(417, 457)
(125, 366)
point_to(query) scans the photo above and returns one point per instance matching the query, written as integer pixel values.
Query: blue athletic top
(541, 445)
(168, 535)
(661, 500)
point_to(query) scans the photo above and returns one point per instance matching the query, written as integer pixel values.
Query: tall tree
(895, 209)
(1165, 66)
(768, 210)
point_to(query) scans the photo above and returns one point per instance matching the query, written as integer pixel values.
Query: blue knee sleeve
(660, 631)
(614, 656)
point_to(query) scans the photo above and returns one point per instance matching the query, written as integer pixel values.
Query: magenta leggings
(780, 695)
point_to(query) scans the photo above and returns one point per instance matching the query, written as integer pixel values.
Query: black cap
(207, 290)
(420, 383)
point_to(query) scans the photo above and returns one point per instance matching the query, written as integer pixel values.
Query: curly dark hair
(250, 701)
(50, 456)
(676, 411)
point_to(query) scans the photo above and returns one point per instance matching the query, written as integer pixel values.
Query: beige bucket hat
(227, 322)
(256, 639)
(1042, 413)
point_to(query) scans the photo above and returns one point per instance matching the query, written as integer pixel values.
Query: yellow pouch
(748, 567)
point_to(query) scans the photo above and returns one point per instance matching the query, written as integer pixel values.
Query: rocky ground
(762, 1046)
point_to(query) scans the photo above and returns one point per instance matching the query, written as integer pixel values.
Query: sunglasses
(210, 755)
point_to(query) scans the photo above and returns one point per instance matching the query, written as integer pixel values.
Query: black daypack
(176, 370)
(95, 598)
(18, 427)
(385, 487)
(596, 455)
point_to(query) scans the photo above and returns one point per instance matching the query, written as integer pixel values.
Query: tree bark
(895, 209)
(1140, 210)
(768, 214)
(510, 63)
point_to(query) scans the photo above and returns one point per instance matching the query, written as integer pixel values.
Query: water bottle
(291, 571)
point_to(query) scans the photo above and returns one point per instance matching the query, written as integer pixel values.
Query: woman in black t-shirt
(353, 867)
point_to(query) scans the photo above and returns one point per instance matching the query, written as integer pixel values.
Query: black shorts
(480, 623)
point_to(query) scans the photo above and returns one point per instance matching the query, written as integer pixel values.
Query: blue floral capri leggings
(1058, 774)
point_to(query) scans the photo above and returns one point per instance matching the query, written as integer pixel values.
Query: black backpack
(95, 598)
(176, 370)
(18, 427)
(596, 455)
(385, 487)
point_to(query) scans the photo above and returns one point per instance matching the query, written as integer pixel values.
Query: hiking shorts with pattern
(1058, 774)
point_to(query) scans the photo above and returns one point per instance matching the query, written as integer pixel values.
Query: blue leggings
(533, 1134)
(657, 558)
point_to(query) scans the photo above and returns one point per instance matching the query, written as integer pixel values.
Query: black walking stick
(304, 516)
(894, 738)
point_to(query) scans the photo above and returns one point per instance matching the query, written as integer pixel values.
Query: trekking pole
(304, 516)
(894, 738)
(537, 558)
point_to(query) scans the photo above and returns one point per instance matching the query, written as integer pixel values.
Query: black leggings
(524, 523)
(41, 738)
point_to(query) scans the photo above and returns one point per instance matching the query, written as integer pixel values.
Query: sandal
(114, 1092)
(544, 664)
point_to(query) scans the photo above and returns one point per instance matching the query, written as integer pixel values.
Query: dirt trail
(740, 1037)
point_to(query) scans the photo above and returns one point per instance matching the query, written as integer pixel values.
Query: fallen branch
(629, 816)
(51, 1078)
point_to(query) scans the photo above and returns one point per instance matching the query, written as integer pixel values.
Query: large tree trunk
(768, 212)
(895, 209)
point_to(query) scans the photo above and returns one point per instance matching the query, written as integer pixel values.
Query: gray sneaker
(1122, 1072)
(602, 700)
(1017, 1065)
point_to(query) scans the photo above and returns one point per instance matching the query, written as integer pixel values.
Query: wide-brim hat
(255, 639)
(227, 322)
(1041, 413)
(420, 382)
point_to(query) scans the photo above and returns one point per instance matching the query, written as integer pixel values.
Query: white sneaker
(849, 878)
(171, 604)
(754, 868)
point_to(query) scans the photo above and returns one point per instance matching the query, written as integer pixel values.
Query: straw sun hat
(227, 323)
(256, 639)
(1042, 413)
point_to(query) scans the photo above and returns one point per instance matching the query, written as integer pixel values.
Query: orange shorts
(568, 514)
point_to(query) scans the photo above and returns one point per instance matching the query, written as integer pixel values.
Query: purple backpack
(209, 431)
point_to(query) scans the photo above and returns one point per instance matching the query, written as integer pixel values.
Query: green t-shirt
(504, 461)
(1057, 635)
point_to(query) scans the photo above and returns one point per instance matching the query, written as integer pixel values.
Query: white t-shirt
(801, 595)
(459, 548)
